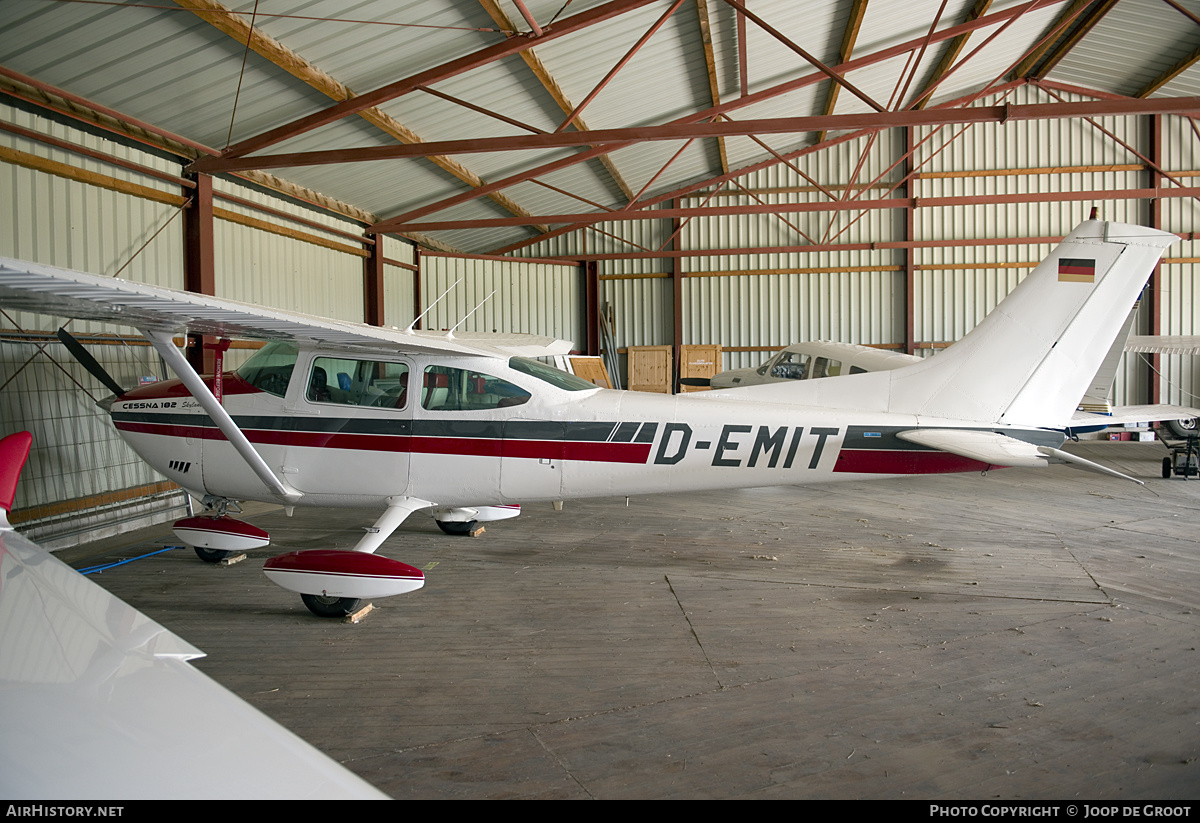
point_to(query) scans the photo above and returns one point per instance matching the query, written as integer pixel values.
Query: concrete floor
(1027, 634)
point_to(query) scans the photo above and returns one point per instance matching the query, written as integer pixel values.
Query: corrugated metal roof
(174, 69)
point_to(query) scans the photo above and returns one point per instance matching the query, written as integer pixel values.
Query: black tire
(457, 527)
(212, 555)
(1183, 429)
(323, 606)
(1166, 468)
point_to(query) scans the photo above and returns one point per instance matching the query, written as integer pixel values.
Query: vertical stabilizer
(1031, 360)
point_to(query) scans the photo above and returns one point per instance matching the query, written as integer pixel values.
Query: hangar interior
(739, 173)
(703, 172)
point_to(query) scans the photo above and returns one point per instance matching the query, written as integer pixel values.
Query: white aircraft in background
(340, 414)
(809, 360)
(97, 701)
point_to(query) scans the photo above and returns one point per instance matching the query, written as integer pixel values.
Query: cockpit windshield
(270, 368)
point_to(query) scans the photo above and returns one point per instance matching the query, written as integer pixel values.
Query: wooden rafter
(1064, 45)
(710, 67)
(774, 91)
(492, 7)
(234, 25)
(849, 36)
(1169, 75)
(953, 49)
(1042, 61)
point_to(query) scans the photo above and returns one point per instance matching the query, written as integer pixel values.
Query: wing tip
(14, 451)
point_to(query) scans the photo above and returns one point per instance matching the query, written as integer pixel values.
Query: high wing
(49, 290)
(98, 701)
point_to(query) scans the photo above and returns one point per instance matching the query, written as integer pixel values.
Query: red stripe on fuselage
(231, 384)
(474, 446)
(890, 461)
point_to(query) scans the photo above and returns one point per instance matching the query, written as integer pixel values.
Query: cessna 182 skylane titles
(340, 414)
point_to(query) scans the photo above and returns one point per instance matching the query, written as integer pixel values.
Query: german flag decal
(1076, 270)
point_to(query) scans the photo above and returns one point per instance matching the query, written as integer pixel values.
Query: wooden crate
(591, 369)
(699, 361)
(650, 368)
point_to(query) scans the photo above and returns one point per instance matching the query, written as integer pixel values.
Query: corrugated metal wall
(282, 272)
(81, 473)
(1179, 277)
(535, 298)
(59, 221)
(399, 307)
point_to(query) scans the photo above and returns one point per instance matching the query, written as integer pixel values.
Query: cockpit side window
(270, 368)
(377, 383)
(449, 389)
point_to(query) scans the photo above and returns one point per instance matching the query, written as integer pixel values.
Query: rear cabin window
(375, 383)
(555, 377)
(270, 368)
(449, 389)
(826, 367)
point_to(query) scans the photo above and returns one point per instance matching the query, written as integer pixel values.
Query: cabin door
(352, 428)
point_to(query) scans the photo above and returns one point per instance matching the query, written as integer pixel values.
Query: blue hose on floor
(98, 569)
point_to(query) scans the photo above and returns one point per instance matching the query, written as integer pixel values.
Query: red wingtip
(14, 451)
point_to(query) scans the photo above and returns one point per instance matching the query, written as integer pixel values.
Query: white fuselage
(558, 444)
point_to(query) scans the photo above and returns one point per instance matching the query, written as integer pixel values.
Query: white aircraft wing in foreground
(338, 414)
(97, 701)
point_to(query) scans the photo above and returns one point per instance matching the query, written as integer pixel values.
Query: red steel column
(1156, 307)
(373, 283)
(416, 275)
(675, 266)
(199, 261)
(910, 252)
(591, 291)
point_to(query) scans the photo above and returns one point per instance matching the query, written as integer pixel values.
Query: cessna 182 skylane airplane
(339, 414)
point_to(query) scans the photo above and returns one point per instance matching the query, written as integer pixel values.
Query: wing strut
(398, 509)
(166, 347)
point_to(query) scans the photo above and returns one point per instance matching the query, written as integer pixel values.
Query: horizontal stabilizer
(1060, 456)
(1001, 450)
(1134, 414)
(984, 446)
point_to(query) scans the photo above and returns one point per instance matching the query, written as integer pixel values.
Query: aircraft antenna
(472, 311)
(417, 319)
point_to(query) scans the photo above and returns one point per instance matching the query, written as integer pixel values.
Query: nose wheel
(323, 606)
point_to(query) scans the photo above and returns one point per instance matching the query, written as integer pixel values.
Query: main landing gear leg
(399, 508)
